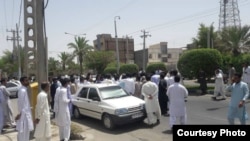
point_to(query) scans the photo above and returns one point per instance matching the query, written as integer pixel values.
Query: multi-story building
(139, 58)
(158, 53)
(105, 42)
(173, 57)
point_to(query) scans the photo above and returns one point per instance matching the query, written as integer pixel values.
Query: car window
(112, 92)
(93, 93)
(8, 85)
(83, 93)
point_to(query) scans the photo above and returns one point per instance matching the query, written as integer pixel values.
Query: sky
(172, 21)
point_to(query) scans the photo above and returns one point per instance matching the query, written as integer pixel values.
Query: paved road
(201, 110)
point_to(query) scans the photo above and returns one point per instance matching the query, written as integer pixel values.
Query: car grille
(133, 109)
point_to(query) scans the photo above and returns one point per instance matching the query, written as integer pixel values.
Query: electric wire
(20, 13)
(13, 7)
(110, 16)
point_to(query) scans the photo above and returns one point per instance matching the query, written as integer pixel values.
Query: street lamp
(116, 45)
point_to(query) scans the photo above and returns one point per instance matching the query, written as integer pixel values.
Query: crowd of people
(163, 92)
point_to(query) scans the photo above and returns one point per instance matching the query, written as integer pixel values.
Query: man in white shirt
(219, 85)
(7, 104)
(42, 119)
(177, 94)
(2, 99)
(62, 112)
(246, 74)
(24, 117)
(150, 93)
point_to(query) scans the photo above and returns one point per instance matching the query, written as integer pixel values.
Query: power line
(5, 13)
(111, 15)
(202, 14)
(20, 13)
(13, 7)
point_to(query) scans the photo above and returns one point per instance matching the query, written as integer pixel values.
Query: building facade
(158, 53)
(139, 58)
(173, 57)
(105, 42)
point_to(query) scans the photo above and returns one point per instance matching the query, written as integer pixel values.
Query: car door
(94, 102)
(81, 101)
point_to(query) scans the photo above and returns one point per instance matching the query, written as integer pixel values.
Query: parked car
(13, 87)
(108, 103)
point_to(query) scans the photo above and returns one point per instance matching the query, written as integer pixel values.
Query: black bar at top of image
(210, 132)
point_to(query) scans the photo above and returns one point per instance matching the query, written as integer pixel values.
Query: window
(169, 55)
(93, 94)
(83, 93)
(150, 56)
(164, 49)
(159, 55)
(164, 59)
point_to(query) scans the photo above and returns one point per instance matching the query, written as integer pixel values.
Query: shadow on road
(97, 125)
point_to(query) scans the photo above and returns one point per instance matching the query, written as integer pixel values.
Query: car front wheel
(76, 113)
(108, 121)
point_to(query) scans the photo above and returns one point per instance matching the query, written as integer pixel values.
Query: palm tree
(80, 49)
(235, 40)
(52, 65)
(205, 37)
(64, 59)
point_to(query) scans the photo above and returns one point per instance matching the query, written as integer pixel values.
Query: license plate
(137, 115)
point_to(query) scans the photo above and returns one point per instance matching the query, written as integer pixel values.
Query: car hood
(124, 102)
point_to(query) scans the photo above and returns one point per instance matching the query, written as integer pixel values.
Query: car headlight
(121, 111)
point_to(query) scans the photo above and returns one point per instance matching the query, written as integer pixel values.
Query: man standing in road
(177, 94)
(62, 112)
(219, 85)
(9, 118)
(42, 119)
(150, 93)
(24, 117)
(2, 100)
(239, 94)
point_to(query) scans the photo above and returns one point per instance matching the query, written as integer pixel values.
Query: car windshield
(112, 92)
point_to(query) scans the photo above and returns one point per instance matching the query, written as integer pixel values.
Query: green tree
(98, 60)
(81, 48)
(192, 61)
(129, 68)
(8, 63)
(205, 35)
(53, 65)
(156, 66)
(235, 40)
(64, 57)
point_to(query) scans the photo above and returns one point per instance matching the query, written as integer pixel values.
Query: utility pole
(41, 43)
(19, 53)
(16, 51)
(144, 36)
(127, 49)
(116, 45)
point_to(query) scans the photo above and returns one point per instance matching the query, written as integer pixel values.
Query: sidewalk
(11, 134)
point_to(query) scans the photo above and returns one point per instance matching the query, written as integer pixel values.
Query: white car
(13, 87)
(109, 103)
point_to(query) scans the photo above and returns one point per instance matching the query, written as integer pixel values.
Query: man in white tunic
(1, 111)
(219, 85)
(42, 119)
(177, 94)
(62, 112)
(150, 93)
(24, 117)
(9, 117)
